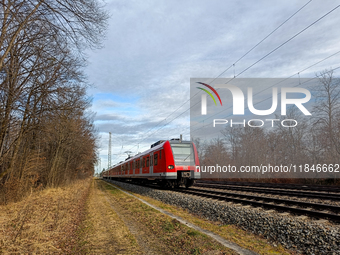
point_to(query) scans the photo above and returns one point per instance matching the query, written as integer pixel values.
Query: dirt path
(136, 230)
(105, 231)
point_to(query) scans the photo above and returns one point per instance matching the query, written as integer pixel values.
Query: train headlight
(171, 167)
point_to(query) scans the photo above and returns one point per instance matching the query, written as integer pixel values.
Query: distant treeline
(315, 140)
(46, 133)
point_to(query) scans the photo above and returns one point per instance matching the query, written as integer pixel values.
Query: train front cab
(181, 163)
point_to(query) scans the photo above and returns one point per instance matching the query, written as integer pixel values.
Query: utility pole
(109, 154)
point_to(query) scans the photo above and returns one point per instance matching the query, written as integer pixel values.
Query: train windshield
(183, 154)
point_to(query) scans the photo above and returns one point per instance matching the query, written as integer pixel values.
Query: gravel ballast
(309, 237)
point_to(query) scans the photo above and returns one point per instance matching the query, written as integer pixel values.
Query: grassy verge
(230, 232)
(45, 222)
(162, 233)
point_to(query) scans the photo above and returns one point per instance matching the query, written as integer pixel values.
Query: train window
(183, 154)
(160, 154)
(147, 162)
(155, 159)
(151, 161)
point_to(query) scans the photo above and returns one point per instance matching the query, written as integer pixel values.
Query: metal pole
(109, 153)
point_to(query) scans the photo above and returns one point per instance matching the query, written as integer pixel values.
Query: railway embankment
(298, 233)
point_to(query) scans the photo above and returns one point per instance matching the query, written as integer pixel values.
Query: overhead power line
(272, 51)
(279, 82)
(262, 40)
(284, 43)
(257, 44)
(256, 62)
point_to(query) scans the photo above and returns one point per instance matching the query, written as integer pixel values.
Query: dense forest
(315, 140)
(46, 131)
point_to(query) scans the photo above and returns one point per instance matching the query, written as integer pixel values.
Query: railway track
(274, 191)
(322, 188)
(313, 210)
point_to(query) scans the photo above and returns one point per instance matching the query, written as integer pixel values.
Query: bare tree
(43, 90)
(327, 112)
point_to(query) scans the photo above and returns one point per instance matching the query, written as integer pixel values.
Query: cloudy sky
(153, 48)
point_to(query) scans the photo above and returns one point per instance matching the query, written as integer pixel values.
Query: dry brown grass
(45, 222)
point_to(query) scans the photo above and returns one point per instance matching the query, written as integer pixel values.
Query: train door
(133, 167)
(141, 165)
(161, 161)
(151, 163)
(137, 167)
(155, 162)
(145, 164)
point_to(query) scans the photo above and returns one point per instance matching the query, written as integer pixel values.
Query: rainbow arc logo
(213, 90)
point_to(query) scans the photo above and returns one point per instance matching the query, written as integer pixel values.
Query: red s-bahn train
(170, 163)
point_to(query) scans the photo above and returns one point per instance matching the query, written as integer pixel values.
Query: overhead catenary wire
(310, 66)
(239, 59)
(256, 62)
(272, 51)
(282, 44)
(245, 54)
(298, 73)
(332, 55)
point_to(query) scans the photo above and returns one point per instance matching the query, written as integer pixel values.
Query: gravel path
(303, 235)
